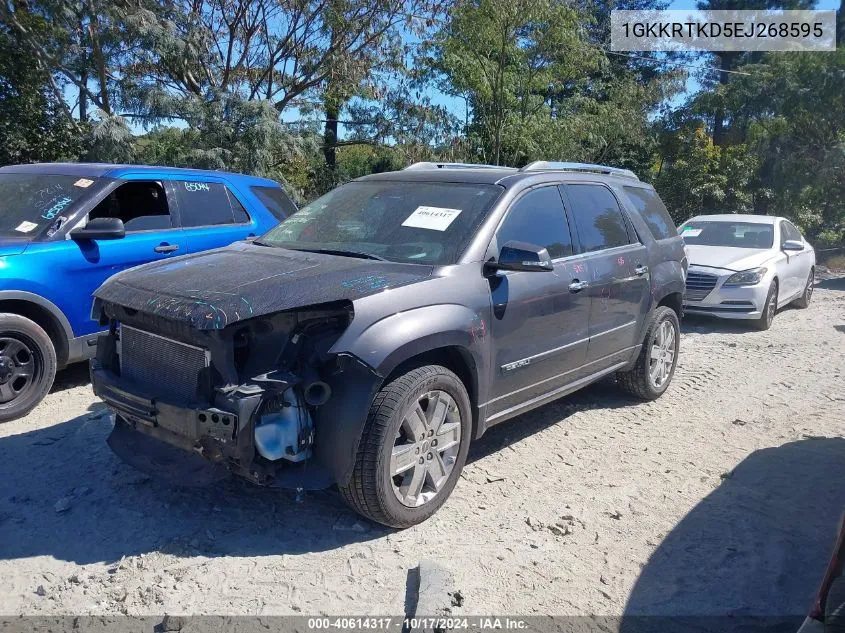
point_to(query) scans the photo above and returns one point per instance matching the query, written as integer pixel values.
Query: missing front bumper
(195, 446)
(161, 459)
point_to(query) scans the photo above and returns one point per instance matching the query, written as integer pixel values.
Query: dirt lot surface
(721, 497)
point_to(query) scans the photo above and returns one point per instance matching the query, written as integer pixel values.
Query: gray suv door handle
(577, 286)
(641, 270)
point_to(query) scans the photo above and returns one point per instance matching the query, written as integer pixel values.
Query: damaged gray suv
(370, 337)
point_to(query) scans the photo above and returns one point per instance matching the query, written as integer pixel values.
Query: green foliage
(783, 151)
(699, 177)
(540, 86)
(34, 125)
(316, 93)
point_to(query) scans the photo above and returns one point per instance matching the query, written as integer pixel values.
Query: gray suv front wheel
(413, 448)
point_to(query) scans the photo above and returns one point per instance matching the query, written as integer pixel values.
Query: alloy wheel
(426, 448)
(662, 357)
(771, 308)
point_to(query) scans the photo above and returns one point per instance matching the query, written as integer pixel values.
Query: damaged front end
(263, 398)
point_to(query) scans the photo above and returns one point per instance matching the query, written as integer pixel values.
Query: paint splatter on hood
(214, 289)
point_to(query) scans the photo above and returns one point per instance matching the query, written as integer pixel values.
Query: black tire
(804, 300)
(834, 607)
(24, 348)
(769, 308)
(370, 491)
(638, 381)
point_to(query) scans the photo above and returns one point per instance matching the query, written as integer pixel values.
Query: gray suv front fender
(382, 348)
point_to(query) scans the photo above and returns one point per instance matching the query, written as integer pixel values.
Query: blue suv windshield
(417, 223)
(31, 202)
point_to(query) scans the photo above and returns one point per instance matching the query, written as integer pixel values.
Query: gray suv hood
(213, 289)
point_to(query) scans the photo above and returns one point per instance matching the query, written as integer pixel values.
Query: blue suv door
(211, 214)
(152, 234)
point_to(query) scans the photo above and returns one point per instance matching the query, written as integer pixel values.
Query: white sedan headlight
(750, 277)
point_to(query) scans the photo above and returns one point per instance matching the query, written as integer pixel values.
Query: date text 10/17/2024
(491, 623)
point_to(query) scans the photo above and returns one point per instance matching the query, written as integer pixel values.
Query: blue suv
(66, 228)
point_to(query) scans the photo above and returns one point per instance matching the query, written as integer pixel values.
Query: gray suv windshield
(420, 222)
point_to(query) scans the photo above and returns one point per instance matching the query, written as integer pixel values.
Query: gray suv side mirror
(523, 257)
(792, 245)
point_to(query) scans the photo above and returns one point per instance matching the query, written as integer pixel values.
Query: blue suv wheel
(27, 365)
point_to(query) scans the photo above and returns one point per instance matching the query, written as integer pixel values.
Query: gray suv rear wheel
(655, 365)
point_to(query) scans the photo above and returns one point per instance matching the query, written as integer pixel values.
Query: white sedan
(746, 266)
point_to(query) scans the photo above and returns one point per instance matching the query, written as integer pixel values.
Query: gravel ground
(721, 497)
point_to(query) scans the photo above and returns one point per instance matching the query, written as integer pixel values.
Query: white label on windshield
(83, 182)
(434, 218)
(25, 227)
(691, 232)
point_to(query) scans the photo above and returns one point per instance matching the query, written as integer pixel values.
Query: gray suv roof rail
(546, 165)
(429, 165)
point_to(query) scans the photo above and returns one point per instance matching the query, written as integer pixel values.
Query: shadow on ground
(75, 375)
(755, 548)
(601, 395)
(113, 511)
(66, 495)
(714, 325)
(833, 283)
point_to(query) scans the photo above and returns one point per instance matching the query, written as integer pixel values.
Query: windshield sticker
(57, 208)
(26, 227)
(83, 182)
(433, 218)
(690, 232)
(197, 186)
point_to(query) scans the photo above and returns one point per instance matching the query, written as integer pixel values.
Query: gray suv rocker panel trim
(554, 394)
(555, 377)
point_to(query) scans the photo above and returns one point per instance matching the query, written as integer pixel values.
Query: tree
(509, 61)
(84, 45)
(35, 124)
(729, 60)
(300, 56)
(791, 112)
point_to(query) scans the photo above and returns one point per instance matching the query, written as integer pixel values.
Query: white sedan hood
(727, 258)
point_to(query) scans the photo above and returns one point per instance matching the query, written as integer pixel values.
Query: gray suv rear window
(598, 217)
(653, 212)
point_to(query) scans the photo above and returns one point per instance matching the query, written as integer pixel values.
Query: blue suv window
(276, 201)
(241, 216)
(141, 205)
(203, 203)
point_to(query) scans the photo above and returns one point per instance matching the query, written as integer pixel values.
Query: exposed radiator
(166, 369)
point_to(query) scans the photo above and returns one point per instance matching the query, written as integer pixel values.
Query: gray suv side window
(598, 218)
(538, 218)
(653, 211)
